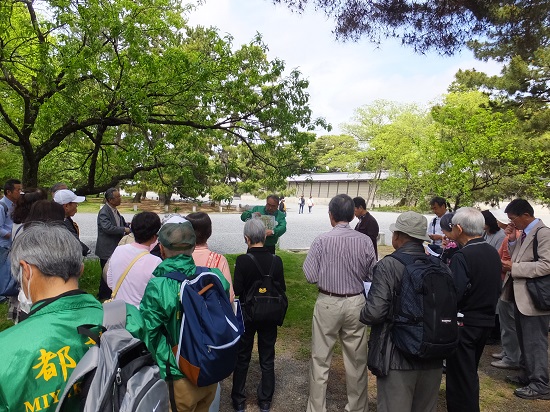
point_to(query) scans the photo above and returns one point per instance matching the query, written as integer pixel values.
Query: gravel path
(227, 234)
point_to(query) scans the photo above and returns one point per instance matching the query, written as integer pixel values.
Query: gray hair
(254, 230)
(342, 208)
(470, 220)
(50, 247)
(110, 193)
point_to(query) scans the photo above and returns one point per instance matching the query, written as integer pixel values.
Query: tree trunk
(137, 198)
(30, 172)
(164, 198)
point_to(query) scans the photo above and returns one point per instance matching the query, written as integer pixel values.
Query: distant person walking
(302, 203)
(310, 204)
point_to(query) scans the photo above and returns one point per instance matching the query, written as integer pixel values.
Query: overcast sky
(342, 76)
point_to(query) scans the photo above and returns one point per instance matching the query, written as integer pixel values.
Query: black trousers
(462, 378)
(267, 335)
(104, 290)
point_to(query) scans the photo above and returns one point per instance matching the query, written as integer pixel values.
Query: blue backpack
(209, 336)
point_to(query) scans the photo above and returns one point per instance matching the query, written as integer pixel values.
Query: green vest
(39, 354)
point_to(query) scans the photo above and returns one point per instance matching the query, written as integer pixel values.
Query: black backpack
(265, 301)
(425, 308)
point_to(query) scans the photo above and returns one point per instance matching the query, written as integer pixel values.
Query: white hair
(471, 221)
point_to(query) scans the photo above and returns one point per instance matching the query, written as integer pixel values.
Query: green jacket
(280, 218)
(39, 354)
(161, 310)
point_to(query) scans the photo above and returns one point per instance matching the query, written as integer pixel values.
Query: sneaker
(502, 364)
(239, 408)
(499, 355)
(265, 406)
(528, 393)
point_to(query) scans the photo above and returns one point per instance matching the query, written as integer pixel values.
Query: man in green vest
(40, 353)
(274, 220)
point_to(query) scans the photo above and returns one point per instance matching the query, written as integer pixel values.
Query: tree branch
(115, 180)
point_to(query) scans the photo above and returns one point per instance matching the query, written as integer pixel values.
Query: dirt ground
(291, 388)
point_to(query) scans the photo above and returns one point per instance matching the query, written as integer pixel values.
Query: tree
(398, 140)
(106, 91)
(479, 149)
(444, 26)
(337, 154)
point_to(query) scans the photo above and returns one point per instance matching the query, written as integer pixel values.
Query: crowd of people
(488, 255)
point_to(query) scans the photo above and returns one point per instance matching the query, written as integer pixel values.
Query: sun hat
(65, 196)
(413, 224)
(500, 215)
(177, 236)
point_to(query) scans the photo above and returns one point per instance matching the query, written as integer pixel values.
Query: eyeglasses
(271, 205)
(454, 225)
(513, 219)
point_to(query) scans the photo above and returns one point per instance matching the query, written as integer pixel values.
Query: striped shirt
(340, 261)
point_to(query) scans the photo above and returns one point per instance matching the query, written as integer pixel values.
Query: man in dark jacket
(416, 381)
(476, 270)
(111, 226)
(70, 201)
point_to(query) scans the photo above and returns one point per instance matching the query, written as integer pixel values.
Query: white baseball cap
(65, 196)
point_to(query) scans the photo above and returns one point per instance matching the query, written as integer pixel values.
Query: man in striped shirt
(339, 262)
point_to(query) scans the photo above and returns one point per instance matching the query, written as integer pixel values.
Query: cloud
(342, 76)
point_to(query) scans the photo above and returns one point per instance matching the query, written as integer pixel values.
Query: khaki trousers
(338, 318)
(191, 398)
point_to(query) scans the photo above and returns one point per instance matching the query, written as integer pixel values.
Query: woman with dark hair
(494, 235)
(23, 207)
(202, 255)
(450, 246)
(131, 266)
(45, 211)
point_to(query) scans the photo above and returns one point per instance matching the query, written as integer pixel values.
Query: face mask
(25, 302)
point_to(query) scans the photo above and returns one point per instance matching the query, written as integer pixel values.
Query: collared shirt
(115, 212)
(529, 227)
(340, 261)
(6, 222)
